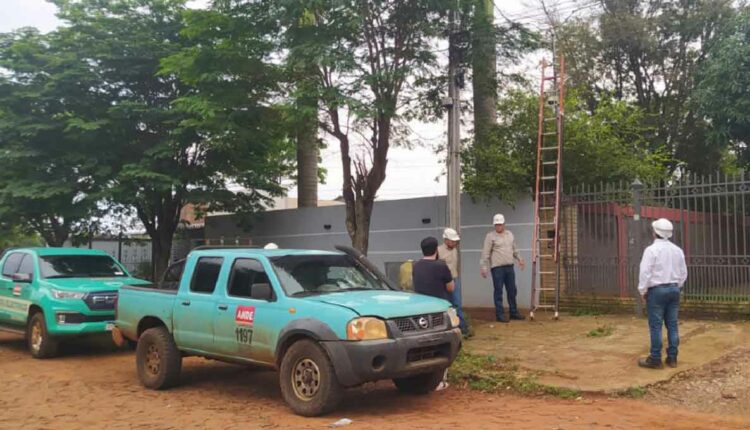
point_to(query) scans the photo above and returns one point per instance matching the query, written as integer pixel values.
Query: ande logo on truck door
(245, 315)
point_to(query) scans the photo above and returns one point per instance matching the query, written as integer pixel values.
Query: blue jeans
(663, 305)
(504, 275)
(455, 298)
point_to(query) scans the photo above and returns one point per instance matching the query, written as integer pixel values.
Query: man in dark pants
(499, 254)
(663, 272)
(432, 277)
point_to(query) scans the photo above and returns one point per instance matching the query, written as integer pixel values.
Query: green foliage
(605, 145)
(492, 375)
(647, 53)
(722, 92)
(14, 237)
(601, 331)
(51, 173)
(636, 392)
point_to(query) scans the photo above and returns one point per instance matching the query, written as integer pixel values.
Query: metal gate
(606, 227)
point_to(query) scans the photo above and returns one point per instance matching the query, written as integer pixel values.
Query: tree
(51, 173)
(179, 135)
(604, 146)
(648, 52)
(371, 56)
(722, 93)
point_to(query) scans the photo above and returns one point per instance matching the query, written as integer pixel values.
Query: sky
(414, 172)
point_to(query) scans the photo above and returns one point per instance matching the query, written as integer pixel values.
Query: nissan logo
(423, 323)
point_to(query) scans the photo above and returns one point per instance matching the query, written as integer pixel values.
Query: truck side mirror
(261, 292)
(21, 277)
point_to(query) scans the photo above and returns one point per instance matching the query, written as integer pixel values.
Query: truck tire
(308, 381)
(420, 384)
(40, 343)
(158, 360)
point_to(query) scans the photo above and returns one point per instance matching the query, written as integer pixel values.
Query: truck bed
(135, 303)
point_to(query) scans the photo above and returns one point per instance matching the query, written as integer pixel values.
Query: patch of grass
(492, 375)
(587, 312)
(636, 392)
(601, 331)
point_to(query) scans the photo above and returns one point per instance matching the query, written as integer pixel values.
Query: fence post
(119, 246)
(637, 188)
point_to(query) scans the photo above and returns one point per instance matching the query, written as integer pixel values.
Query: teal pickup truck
(325, 320)
(49, 294)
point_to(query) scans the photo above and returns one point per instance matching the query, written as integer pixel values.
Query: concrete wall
(396, 230)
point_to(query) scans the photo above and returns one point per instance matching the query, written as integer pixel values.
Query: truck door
(7, 299)
(21, 291)
(248, 313)
(195, 306)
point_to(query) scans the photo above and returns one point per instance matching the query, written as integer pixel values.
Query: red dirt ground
(95, 386)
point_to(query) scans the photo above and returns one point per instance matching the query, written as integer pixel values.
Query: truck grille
(101, 301)
(420, 322)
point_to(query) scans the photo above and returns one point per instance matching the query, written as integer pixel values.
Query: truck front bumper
(358, 362)
(66, 322)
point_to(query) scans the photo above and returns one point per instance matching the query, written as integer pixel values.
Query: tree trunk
(161, 251)
(484, 66)
(307, 153)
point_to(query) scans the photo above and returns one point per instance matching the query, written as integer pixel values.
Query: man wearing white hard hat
(663, 273)
(271, 245)
(499, 254)
(448, 252)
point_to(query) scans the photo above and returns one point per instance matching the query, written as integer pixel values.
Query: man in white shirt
(663, 272)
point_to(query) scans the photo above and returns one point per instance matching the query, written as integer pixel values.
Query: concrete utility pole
(453, 104)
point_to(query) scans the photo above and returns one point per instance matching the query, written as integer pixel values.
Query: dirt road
(95, 386)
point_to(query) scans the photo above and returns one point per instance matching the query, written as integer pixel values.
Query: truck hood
(92, 284)
(384, 303)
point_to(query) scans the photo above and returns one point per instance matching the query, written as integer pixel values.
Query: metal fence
(606, 227)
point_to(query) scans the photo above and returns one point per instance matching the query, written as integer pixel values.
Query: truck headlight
(366, 328)
(453, 315)
(64, 295)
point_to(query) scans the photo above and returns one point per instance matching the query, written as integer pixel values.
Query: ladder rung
(550, 119)
(546, 306)
(547, 289)
(547, 178)
(549, 148)
(546, 273)
(546, 208)
(546, 223)
(549, 163)
(546, 192)
(545, 239)
(549, 78)
(550, 134)
(546, 256)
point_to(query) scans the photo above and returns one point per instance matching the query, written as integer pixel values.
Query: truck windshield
(303, 275)
(79, 266)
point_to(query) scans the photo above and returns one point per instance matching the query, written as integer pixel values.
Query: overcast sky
(411, 173)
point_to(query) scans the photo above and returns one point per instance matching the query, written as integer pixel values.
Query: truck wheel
(308, 381)
(41, 344)
(420, 384)
(158, 359)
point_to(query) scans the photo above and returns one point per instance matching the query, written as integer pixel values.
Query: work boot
(650, 363)
(672, 362)
(517, 317)
(502, 319)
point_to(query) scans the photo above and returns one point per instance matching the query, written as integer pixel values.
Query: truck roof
(62, 251)
(269, 253)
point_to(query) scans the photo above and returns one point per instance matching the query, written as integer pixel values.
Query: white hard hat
(498, 219)
(663, 227)
(451, 234)
(271, 245)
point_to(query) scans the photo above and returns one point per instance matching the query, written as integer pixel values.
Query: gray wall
(395, 233)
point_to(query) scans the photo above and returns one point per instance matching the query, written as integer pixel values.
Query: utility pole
(453, 104)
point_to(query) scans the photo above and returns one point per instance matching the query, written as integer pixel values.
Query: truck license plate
(109, 326)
